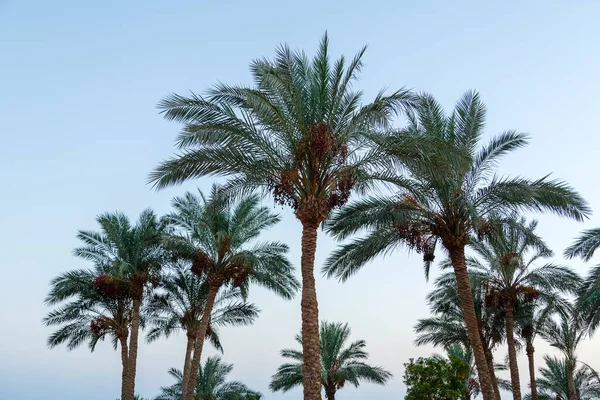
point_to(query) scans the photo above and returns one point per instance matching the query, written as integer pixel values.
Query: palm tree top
(447, 193)
(218, 235)
(182, 302)
(299, 133)
(506, 262)
(585, 245)
(340, 362)
(211, 384)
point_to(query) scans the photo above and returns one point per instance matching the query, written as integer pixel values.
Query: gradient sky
(79, 81)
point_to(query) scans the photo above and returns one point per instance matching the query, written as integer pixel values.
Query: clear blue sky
(79, 81)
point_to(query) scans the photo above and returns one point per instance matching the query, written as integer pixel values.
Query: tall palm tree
(588, 302)
(218, 236)
(182, 304)
(210, 384)
(505, 262)
(565, 335)
(447, 327)
(131, 257)
(339, 364)
(446, 198)
(300, 133)
(88, 314)
(554, 381)
(531, 320)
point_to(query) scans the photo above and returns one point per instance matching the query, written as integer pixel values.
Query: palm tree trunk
(188, 388)
(530, 352)
(124, 362)
(571, 378)
(133, 347)
(330, 393)
(459, 262)
(512, 352)
(489, 356)
(311, 348)
(191, 340)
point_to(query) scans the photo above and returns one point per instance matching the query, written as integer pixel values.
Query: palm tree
(211, 384)
(89, 314)
(447, 327)
(130, 258)
(588, 302)
(217, 235)
(554, 381)
(181, 306)
(505, 263)
(339, 364)
(299, 134)
(531, 320)
(446, 196)
(565, 335)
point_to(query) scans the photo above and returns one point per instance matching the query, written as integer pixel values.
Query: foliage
(211, 384)
(447, 326)
(341, 362)
(217, 235)
(436, 378)
(505, 262)
(181, 305)
(447, 194)
(84, 306)
(300, 133)
(553, 383)
(588, 302)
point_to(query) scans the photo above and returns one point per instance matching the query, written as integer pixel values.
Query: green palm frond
(340, 362)
(448, 188)
(211, 384)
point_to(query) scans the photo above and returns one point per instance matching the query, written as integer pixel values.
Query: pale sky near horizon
(79, 82)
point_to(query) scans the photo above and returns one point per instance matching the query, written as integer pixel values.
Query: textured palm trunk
(489, 356)
(133, 347)
(191, 340)
(124, 362)
(530, 353)
(512, 352)
(311, 349)
(459, 263)
(330, 393)
(571, 378)
(188, 388)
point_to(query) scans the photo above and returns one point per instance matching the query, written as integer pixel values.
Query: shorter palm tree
(506, 264)
(88, 314)
(182, 303)
(217, 235)
(211, 384)
(565, 335)
(530, 321)
(554, 381)
(339, 364)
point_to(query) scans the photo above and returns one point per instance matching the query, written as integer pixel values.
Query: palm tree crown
(339, 364)
(211, 384)
(87, 314)
(182, 303)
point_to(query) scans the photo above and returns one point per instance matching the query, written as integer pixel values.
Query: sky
(79, 82)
